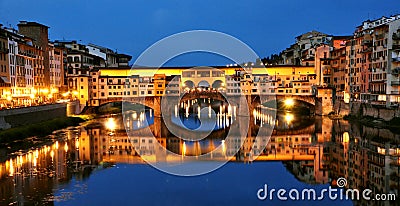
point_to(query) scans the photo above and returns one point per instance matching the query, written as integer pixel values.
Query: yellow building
(104, 84)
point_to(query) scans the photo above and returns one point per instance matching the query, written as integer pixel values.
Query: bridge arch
(217, 84)
(146, 101)
(189, 84)
(204, 83)
(310, 99)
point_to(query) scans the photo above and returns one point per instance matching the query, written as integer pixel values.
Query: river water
(98, 164)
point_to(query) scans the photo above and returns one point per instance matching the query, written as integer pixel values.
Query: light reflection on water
(312, 152)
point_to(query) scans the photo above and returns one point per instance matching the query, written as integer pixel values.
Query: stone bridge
(309, 99)
(146, 101)
(245, 103)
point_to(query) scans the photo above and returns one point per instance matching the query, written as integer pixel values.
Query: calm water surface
(96, 165)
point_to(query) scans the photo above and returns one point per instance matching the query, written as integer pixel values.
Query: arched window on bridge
(204, 84)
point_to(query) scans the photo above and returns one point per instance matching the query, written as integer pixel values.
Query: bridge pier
(244, 105)
(157, 106)
(323, 101)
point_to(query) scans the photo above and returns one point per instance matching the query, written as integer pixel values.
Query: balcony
(395, 83)
(397, 59)
(395, 92)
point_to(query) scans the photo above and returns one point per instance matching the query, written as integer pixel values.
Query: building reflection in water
(315, 151)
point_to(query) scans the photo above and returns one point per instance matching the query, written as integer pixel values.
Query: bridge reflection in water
(313, 150)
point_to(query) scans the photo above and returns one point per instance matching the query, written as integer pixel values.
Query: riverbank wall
(28, 115)
(360, 109)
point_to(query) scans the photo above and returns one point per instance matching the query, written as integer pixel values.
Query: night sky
(131, 26)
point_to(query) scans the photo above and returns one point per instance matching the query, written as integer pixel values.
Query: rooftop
(31, 23)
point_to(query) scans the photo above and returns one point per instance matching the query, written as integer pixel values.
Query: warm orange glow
(110, 124)
(45, 91)
(223, 147)
(52, 155)
(184, 149)
(289, 102)
(65, 94)
(66, 147)
(289, 118)
(54, 90)
(346, 137)
(11, 171)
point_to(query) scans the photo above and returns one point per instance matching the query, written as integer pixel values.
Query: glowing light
(223, 147)
(289, 118)
(45, 91)
(52, 155)
(11, 168)
(66, 147)
(65, 94)
(346, 137)
(184, 149)
(9, 98)
(56, 145)
(30, 157)
(32, 96)
(75, 93)
(289, 102)
(110, 124)
(34, 162)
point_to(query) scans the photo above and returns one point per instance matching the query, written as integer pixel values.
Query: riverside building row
(363, 67)
(35, 70)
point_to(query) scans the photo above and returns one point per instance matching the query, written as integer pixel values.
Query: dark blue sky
(133, 25)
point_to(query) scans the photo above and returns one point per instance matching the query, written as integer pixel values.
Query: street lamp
(110, 124)
(289, 102)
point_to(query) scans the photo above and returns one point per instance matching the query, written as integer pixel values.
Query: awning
(5, 80)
